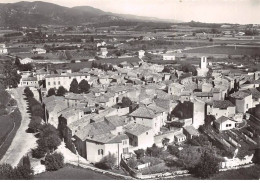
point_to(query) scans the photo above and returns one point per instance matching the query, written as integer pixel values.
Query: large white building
(203, 70)
(57, 80)
(3, 49)
(169, 56)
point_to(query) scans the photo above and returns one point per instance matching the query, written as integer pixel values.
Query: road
(23, 142)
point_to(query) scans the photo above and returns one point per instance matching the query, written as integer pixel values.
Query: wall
(198, 114)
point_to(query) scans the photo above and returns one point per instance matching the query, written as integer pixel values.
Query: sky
(212, 11)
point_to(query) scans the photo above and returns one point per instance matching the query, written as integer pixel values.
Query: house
(140, 136)
(190, 132)
(151, 116)
(224, 123)
(179, 137)
(38, 51)
(175, 89)
(96, 140)
(53, 105)
(103, 52)
(221, 108)
(57, 80)
(141, 53)
(243, 101)
(26, 61)
(169, 56)
(28, 81)
(3, 49)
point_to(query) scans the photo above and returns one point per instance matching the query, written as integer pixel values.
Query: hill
(37, 13)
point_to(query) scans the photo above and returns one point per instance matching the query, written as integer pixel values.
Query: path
(23, 142)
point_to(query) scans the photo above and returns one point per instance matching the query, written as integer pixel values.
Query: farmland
(228, 50)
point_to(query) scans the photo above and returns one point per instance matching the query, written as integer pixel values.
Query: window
(247, 106)
(146, 133)
(100, 152)
(49, 83)
(54, 83)
(58, 82)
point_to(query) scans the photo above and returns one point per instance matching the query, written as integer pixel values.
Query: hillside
(37, 13)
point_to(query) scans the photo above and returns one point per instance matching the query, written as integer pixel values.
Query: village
(130, 107)
(91, 95)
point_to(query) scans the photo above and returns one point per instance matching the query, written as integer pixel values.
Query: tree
(166, 69)
(108, 162)
(6, 171)
(17, 61)
(39, 152)
(84, 86)
(51, 92)
(153, 151)
(54, 161)
(207, 166)
(126, 102)
(132, 163)
(28, 92)
(139, 153)
(61, 91)
(10, 77)
(35, 123)
(165, 141)
(74, 86)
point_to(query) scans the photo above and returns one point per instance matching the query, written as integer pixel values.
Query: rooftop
(222, 104)
(136, 129)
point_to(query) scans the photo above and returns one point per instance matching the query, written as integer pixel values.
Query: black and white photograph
(151, 90)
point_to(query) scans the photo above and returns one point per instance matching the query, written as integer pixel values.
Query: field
(8, 127)
(251, 173)
(228, 50)
(73, 173)
(77, 66)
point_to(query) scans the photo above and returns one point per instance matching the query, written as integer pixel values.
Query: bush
(108, 162)
(153, 151)
(54, 161)
(28, 92)
(139, 153)
(35, 123)
(132, 163)
(39, 152)
(207, 166)
(51, 92)
(18, 173)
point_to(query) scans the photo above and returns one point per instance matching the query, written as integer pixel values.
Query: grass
(229, 50)
(251, 173)
(70, 172)
(6, 125)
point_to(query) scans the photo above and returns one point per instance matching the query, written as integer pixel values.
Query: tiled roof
(222, 104)
(240, 94)
(203, 94)
(255, 93)
(136, 129)
(116, 120)
(221, 119)
(144, 112)
(191, 130)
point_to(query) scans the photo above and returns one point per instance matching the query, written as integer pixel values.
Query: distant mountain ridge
(36, 13)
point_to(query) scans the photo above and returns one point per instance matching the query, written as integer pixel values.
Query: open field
(251, 173)
(8, 127)
(229, 50)
(73, 173)
(81, 65)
